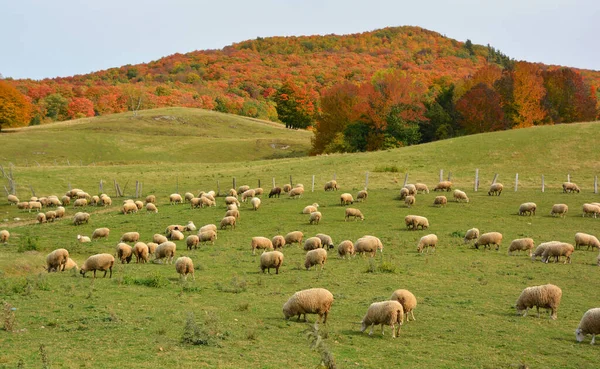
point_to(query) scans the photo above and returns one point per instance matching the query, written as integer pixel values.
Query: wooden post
(543, 184)
(218, 188)
(476, 186)
(259, 183)
(495, 178)
(569, 177)
(367, 181)
(101, 187)
(137, 189)
(595, 184)
(234, 184)
(313, 183)
(441, 175)
(334, 177)
(291, 183)
(273, 182)
(449, 176)
(116, 188)
(405, 180)
(516, 181)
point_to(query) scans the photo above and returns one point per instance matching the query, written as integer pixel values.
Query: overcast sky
(40, 39)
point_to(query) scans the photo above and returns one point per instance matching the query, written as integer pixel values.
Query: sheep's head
(579, 334)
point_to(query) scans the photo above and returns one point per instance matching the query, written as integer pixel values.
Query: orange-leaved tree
(15, 109)
(528, 92)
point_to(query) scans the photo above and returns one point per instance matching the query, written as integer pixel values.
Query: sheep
(233, 213)
(294, 237)
(255, 203)
(584, 239)
(248, 195)
(521, 244)
(232, 200)
(299, 185)
(243, 189)
(443, 186)
(83, 239)
(105, 201)
(73, 193)
(184, 266)
(589, 324)
(94, 201)
(124, 252)
(460, 195)
(159, 238)
(65, 200)
(352, 212)
(175, 198)
(258, 191)
(559, 209)
(188, 196)
(71, 264)
(407, 300)
(296, 192)
(569, 187)
(385, 313)
(41, 218)
(232, 207)
(557, 250)
(345, 247)
(207, 236)
(23, 205)
(151, 247)
(419, 221)
(545, 296)
(232, 192)
(151, 208)
(56, 260)
(495, 189)
(591, 209)
(409, 221)
(80, 203)
(539, 250)
(326, 241)
(130, 237)
(80, 218)
(310, 301)
(13, 200)
(227, 221)
(151, 199)
(346, 199)
(409, 200)
(208, 227)
(275, 191)
(53, 201)
(427, 241)
(421, 187)
(174, 227)
(102, 262)
(403, 193)
(488, 239)
(175, 235)
(315, 217)
(129, 208)
(4, 236)
(315, 257)
(60, 212)
(34, 205)
(141, 252)
(286, 188)
(192, 241)
(527, 208)
(206, 202)
(412, 189)
(271, 259)
(331, 185)
(368, 244)
(100, 233)
(278, 242)
(362, 195)
(312, 243)
(260, 243)
(310, 208)
(189, 227)
(165, 250)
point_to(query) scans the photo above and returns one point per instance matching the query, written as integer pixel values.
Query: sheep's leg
(412, 315)
(371, 331)
(382, 329)
(94, 273)
(593, 339)
(538, 311)
(325, 317)
(526, 310)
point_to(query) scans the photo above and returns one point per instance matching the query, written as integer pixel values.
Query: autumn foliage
(15, 109)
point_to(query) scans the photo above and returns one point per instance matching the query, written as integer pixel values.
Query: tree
(469, 47)
(296, 105)
(479, 110)
(15, 109)
(568, 98)
(441, 117)
(56, 106)
(528, 92)
(80, 107)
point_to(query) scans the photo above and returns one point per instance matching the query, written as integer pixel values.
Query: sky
(46, 39)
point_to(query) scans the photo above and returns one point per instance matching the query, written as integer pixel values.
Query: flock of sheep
(316, 300)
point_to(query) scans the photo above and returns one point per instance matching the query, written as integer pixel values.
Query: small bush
(386, 168)
(205, 334)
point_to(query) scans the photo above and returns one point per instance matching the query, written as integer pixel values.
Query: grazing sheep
(260, 243)
(151, 247)
(521, 244)
(310, 301)
(232, 207)
(495, 189)
(129, 208)
(368, 244)
(315, 257)
(296, 192)
(287, 187)
(207, 236)
(584, 239)
(228, 221)
(233, 213)
(83, 239)
(412, 189)
(421, 187)
(589, 324)
(539, 250)
(139, 204)
(407, 300)
(71, 264)
(124, 253)
(34, 205)
(189, 227)
(60, 212)
(440, 201)
(130, 237)
(174, 227)
(192, 241)
(41, 218)
(345, 247)
(208, 227)
(545, 296)
(248, 195)
(165, 250)
(278, 242)
(105, 201)
(409, 221)
(315, 217)
(527, 208)
(65, 200)
(310, 208)
(275, 191)
(569, 187)
(141, 252)
(151, 208)
(243, 189)
(232, 200)
(150, 199)
(232, 192)
(419, 221)
(258, 191)
(488, 239)
(559, 209)
(102, 262)
(188, 196)
(427, 241)
(255, 203)
(352, 212)
(184, 266)
(299, 185)
(23, 205)
(409, 200)
(362, 195)
(80, 203)
(385, 313)
(54, 201)
(331, 185)
(326, 241)
(346, 199)
(557, 250)
(80, 218)
(175, 198)
(100, 233)
(403, 193)
(312, 243)
(460, 196)
(443, 186)
(294, 237)
(159, 238)
(56, 260)
(175, 235)
(271, 259)
(4, 236)
(591, 209)
(13, 200)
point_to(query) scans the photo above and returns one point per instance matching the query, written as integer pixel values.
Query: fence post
(569, 177)
(367, 181)
(543, 184)
(259, 183)
(234, 184)
(101, 187)
(495, 178)
(334, 177)
(137, 189)
(516, 181)
(595, 184)
(449, 176)
(218, 188)
(291, 183)
(405, 180)
(313, 183)
(476, 186)
(441, 175)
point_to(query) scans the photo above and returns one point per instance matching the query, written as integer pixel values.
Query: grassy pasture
(465, 314)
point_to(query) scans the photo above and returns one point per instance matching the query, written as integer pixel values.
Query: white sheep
(488, 239)
(175, 235)
(362, 195)
(100, 233)
(192, 241)
(141, 252)
(559, 209)
(584, 239)
(312, 243)
(102, 262)
(80, 218)
(41, 218)
(184, 266)
(65, 200)
(4, 236)
(539, 250)
(56, 260)
(440, 201)
(310, 208)
(260, 243)
(139, 204)
(403, 193)
(248, 195)
(271, 259)
(255, 201)
(165, 250)
(443, 186)
(258, 191)
(232, 192)
(83, 239)
(151, 247)
(352, 212)
(527, 208)
(80, 203)
(175, 198)
(71, 264)
(589, 324)
(310, 301)
(412, 189)
(409, 200)
(569, 187)
(207, 236)
(129, 208)
(151, 208)
(421, 187)
(521, 244)
(208, 227)
(228, 221)
(188, 196)
(34, 205)
(545, 296)
(278, 242)
(346, 199)
(590, 209)
(407, 300)
(368, 245)
(385, 313)
(243, 189)
(495, 189)
(296, 192)
(556, 250)
(326, 241)
(60, 212)
(233, 213)
(13, 200)
(232, 200)
(159, 238)
(427, 241)
(345, 247)
(130, 237)
(287, 187)
(50, 216)
(189, 227)
(460, 196)
(418, 221)
(294, 237)
(151, 199)
(315, 257)
(124, 252)
(331, 185)
(315, 217)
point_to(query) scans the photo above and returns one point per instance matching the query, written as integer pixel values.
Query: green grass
(231, 313)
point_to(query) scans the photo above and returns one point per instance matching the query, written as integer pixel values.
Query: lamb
(41, 218)
(440, 201)
(403, 193)
(385, 313)
(310, 208)
(521, 244)
(315, 257)
(589, 324)
(124, 252)
(412, 189)
(584, 239)
(232, 200)
(260, 243)
(248, 195)
(56, 260)
(151, 199)
(60, 212)
(569, 187)
(207, 236)
(80, 203)
(539, 250)
(557, 250)
(175, 235)
(141, 252)
(175, 198)
(227, 221)
(527, 208)
(80, 218)
(421, 187)
(427, 241)
(443, 186)
(591, 209)
(100, 233)
(460, 196)
(559, 209)
(208, 227)
(407, 300)
(255, 203)
(409, 200)
(165, 250)
(352, 212)
(71, 264)
(192, 241)
(296, 192)
(345, 247)
(139, 204)
(83, 239)
(271, 259)
(419, 221)
(159, 238)
(315, 217)
(65, 200)
(188, 196)
(326, 241)
(184, 266)
(243, 189)
(346, 199)
(488, 239)
(275, 191)
(331, 185)
(151, 247)
(130, 237)
(368, 244)
(102, 262)
(13, 200)
(310, 301)
(4, 236)
(495, 189)
(232, 192)
(545, 296)
(129, 208)
(312, 243)
(362, 195)
(294, 237)
(151, 208)
(278, 242)
(105, 201)
(287, 187)
(233, 213)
